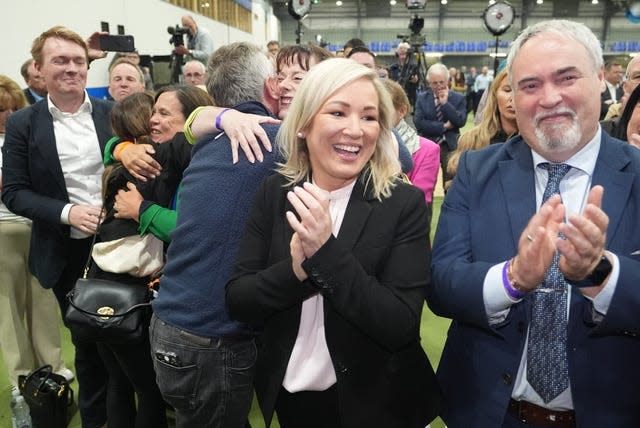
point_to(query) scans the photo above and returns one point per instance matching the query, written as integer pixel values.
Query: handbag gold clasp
(107, 311)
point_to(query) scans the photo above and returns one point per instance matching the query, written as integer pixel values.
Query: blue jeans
(208, 381)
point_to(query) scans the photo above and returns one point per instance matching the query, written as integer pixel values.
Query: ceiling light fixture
(339, 3)
(393, 2)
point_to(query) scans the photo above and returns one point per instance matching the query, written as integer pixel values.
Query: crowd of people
(286, 198)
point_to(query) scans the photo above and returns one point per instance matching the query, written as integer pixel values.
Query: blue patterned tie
(547, 369)
(440, 118)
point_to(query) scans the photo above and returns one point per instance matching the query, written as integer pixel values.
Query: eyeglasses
(439, 83)
(193, 75)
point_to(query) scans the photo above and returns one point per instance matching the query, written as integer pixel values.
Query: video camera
(415, 39)
(177, 34)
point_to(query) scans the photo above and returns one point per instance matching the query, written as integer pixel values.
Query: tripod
(176, 68)
(413, 72)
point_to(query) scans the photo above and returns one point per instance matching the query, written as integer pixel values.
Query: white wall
(146, 20)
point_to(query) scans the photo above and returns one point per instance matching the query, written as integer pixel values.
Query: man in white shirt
(612, 91)
(519, 275)
(52, 172)
(481, 84)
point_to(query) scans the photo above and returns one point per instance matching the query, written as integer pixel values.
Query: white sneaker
(67, 374)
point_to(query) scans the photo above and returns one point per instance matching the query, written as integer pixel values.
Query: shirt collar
(85, 107)
(611, 85)
(584, 160)
(34, 95)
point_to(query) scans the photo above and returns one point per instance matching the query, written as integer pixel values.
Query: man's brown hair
(58, 32)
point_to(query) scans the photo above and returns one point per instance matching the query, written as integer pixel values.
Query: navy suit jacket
(30, 98)
(482, 218)
(455, 111)
(606, 96)
(34, 186)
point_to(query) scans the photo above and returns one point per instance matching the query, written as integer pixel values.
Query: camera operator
(200, 42)
(405, 72)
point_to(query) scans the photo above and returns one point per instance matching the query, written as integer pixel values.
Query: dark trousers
(444, 159)
(90, 371)
(130, 368)
(308, 409)
(511, 421)
(471, 96)
(208, 381)
(476, 100)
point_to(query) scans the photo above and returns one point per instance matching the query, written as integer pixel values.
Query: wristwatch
(597, 275)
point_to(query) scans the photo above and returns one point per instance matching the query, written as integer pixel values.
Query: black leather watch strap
(597, 276)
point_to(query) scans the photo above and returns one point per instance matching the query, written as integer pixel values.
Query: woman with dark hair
(459, 82)
(628, 128)
(173, 104)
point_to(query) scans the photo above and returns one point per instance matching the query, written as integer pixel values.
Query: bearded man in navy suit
(507, 256)
(52, 172)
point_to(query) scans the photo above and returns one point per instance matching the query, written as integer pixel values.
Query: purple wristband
(219, 118)
(512, 292)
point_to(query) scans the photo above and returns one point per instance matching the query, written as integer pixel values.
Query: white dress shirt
(613, 92)
(574, 189)
(80, 158)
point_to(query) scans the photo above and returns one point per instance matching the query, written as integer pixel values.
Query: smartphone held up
(117, 43)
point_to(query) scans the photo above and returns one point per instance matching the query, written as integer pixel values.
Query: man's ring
(529, 238)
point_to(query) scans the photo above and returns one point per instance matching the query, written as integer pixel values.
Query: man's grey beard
(558, 138)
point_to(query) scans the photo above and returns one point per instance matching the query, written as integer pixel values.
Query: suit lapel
(518, 183)
(100, 116)
(356, 216)
(617, 184)
(44, 140)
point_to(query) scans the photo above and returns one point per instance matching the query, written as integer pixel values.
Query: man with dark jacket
(52, 172)
(440, 113)
(36, 88)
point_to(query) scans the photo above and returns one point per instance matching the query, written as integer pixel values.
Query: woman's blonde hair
(11, 95)
(322, 81)
(397, 93)
(480, 135)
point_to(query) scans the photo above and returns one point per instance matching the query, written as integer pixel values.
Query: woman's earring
(300, 135)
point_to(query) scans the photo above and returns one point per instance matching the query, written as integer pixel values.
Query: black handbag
(107, 311)
(49, 396)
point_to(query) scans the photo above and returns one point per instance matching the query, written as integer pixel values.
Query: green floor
(433, 331)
